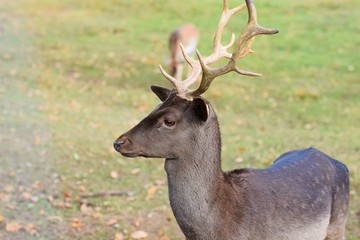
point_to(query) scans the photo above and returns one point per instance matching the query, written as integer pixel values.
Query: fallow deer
(187, 35)
(302, 195)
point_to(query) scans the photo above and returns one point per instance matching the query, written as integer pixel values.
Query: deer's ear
(161, 92)
(200, 108)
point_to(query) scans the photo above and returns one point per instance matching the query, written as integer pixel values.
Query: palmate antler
(241, 49)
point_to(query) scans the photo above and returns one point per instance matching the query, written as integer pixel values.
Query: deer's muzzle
(120, 142)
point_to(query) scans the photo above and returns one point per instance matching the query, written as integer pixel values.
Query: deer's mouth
(129, 154)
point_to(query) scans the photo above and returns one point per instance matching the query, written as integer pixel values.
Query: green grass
(96, 60)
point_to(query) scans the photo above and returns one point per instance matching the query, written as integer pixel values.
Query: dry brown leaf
(26, 195)
(50, 198)
(119, 236)
(82, 188)
(135, 171)
(1, 218)
(137, 222)
(31, 228)
(111, 221)
(139, 234)
(59, 204)
(96, 215)
(142, 107)
(37, 140)
(163, 236)
(13, 226)
(21, 188)
(67, 194)
(215, 93)
(9, 188)
(84, 208)
(114, 174)
(36, 185)
(11, 206)
(240, 149)
(76, 223)
(151, 192)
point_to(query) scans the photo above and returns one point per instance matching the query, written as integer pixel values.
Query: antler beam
(241, 49)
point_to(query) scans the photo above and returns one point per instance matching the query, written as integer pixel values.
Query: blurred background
(74, 75)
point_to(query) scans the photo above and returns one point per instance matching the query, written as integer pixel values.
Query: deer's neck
(194, 179)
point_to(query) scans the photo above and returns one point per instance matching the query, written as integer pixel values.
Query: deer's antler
(241, 49)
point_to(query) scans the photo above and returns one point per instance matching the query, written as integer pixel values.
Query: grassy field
(94, 62)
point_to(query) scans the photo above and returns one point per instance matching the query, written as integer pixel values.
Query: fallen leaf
(82, 188)
(67, 194)
(9, 188)
(163, 236)
(137, 221)
(111, 221)
(160, 182)
(135, 171)
(151, 192)
(215, 93)
(142, 107)
(76, 223)
(11, 206)
(13, 226)
(21, 188)
(26, 195)
(114, 174)
(37, 140)
(50, 198)
(55, 218)
(1, 218)
(36, 185)
(96, 215)
(240, 149)
(59, 204)
(139, 234)
(31, 228)
(119, 236)
(84, 208)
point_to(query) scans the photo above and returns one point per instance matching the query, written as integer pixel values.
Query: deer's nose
(121, 141)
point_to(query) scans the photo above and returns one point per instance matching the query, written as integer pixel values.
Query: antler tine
(251, 30)
(232, 40)
(225, 17)
(170, 78)
(188, 59)
(241, 49)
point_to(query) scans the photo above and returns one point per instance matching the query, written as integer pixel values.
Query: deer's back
(294, 198)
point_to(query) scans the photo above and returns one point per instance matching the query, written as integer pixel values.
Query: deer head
(165, 130)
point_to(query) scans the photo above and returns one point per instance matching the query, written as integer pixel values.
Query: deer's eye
(169, 123)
